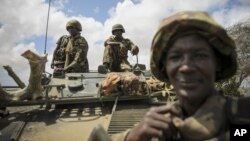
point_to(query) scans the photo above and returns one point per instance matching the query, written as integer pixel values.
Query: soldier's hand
(157, 123)
(191, 128)
(135, 50)
(65, 69)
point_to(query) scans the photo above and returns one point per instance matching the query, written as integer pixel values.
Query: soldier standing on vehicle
(70, 54)
(116, 50)
(192, 52)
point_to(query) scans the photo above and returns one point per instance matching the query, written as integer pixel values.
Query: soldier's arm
(106, 54)
(106, 57)
(85, 47)
(56, 49)
(132, 47)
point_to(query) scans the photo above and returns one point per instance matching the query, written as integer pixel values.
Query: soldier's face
(72, 31)
(117, 33)
(191, 67)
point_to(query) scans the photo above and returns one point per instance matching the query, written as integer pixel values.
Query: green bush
(229, 87)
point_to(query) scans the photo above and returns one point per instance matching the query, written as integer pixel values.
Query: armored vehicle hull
(72, 106)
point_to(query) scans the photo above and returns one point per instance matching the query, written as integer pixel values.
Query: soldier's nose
(187, 65)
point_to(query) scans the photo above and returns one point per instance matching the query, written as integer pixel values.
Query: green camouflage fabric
(59, 53)
(115, 55)
(78, 61)
(74, 23)
(199, 23)
(209, 121)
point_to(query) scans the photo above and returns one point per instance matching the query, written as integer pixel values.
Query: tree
(240, 32)
(34, 89)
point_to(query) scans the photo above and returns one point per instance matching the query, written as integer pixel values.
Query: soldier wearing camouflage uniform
(116, 50)
(191, 51)
(70, 54)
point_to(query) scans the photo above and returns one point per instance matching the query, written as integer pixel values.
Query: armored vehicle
(73, 104)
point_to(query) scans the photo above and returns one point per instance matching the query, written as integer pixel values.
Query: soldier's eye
(173, 57)
(201, 55)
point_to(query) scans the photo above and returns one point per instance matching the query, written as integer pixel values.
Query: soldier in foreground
(116, 50)
(192, 52)
(70, 54)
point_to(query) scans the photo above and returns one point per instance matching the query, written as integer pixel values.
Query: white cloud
(23, 19)
(228, 17)
(18, 63)
(59, 4)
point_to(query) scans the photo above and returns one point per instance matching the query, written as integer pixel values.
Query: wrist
(129, 137)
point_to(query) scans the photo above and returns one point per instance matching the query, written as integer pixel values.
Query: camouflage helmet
(118, 27)
(74, 23)
(179, 23)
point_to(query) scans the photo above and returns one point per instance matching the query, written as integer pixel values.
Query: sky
(23, 25)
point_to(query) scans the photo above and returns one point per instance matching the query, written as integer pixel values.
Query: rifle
(115, 64)
(114, 43)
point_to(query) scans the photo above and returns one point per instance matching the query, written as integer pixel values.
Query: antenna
(45, 48)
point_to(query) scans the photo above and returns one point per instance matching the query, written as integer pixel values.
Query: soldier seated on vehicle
(116, 50)
(192, 52)
(70, 54)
